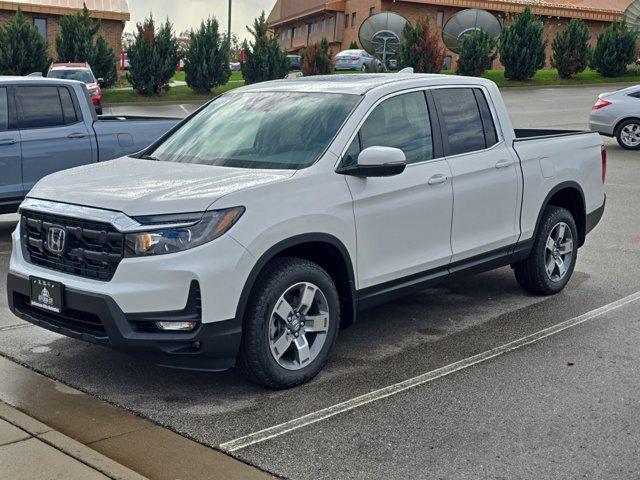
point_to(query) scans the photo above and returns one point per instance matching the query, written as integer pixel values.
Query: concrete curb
(66, 445)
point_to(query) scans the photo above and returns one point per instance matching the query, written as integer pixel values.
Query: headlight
(212, 225)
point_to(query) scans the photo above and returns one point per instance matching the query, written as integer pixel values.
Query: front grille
(92, 249)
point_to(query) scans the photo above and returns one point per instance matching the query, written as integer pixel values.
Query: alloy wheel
(630, 135)
(298, 326)
(559, 252)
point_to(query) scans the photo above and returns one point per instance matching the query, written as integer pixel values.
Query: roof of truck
(42, 80)
(357, 84)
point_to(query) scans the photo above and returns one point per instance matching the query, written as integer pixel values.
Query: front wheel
(628, 134)
(553, 257)
(291, 324)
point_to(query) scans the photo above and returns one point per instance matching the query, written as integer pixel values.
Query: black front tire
(531, 273)
(619, 138)
(255, 359)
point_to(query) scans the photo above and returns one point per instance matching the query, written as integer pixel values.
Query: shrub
(206, 62)
(477, 53)
(522, 47)
(104, 62)
(153, 57)
(615, 50)
(353, 45)
(264, 59)
(74, 43)
(23, 50)
(421, 48)
(571, 49)
(316, 59)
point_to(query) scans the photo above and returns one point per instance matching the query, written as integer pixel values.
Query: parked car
(82, 73)
(48, 125)
(266, 221)
(617, 114)
(296, 62)
(127, 62)
(355, 60)
(235, 66)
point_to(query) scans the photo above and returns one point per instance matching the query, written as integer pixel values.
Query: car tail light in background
(604, 163)
(601, 104)
(355, 58)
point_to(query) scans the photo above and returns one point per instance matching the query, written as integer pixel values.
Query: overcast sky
(187, 14)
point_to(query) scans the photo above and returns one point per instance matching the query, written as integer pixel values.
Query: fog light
(176, 326)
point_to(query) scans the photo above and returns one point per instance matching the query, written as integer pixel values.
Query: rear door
(486, 181)
(403, 223)
(11, 191)
(54, 135)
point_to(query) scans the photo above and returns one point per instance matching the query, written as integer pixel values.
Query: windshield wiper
(149, 157)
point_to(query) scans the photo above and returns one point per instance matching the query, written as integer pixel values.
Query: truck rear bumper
(97, 319)
(593, 218)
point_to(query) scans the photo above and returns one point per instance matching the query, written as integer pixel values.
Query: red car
(81, 72)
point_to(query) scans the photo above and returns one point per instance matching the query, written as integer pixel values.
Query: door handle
(7, 141)
(438, 179)
(77, 135)
(504, 163)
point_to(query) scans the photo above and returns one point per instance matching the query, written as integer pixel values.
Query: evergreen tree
(264, 58)
(206, 62)
(75, 43)
(522, 47)
(104, 62)
(571, 49)
(421, 49)
(153, 57)
(23, 50)
(316, 60)
(477, 53)
(353, 45)
(615, 50)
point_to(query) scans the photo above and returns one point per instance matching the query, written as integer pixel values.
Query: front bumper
(97, 319)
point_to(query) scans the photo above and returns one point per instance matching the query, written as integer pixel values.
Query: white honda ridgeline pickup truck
(263, 223)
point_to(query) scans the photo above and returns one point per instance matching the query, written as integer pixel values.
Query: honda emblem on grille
(56, 237)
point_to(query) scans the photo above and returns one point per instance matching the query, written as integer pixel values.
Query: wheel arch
(568, 195)
(621, 121)
(321, 248)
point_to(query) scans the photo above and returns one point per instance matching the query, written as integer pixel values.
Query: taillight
(604, 163)
(355, 58)
(601, 104)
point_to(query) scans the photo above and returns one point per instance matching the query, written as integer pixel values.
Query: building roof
(288, 10)
(103, 9)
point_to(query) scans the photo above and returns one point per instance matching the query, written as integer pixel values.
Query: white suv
(263, 223)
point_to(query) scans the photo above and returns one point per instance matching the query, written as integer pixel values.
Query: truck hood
(146, 187)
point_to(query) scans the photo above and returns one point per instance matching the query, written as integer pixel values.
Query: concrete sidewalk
(31, 450)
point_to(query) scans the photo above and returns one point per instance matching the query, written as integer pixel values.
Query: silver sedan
(617, 114)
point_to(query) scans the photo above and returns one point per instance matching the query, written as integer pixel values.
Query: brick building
(299, 23)
(46, 14)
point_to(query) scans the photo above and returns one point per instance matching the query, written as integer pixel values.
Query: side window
(351, 156)
(401, 122)
(4, 110)
(39, 107)
(462, 121)
(491, 137)
(68, 110)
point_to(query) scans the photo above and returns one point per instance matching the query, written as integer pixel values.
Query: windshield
(84, 76)
(260, 130)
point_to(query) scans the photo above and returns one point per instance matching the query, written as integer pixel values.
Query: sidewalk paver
(11, 434)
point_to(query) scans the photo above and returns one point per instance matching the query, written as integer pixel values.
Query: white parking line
(314, 417)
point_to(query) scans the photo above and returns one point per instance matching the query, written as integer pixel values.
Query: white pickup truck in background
(273, 215)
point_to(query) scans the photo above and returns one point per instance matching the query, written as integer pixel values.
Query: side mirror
(101, 82)
(378, 162)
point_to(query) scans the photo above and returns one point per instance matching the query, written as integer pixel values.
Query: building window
(372, 11)
(41, 25)
(289, 34)
(324, 25)
(332, 23)
(346, 20)
(353, 19)
(447, 62)
(439, 19)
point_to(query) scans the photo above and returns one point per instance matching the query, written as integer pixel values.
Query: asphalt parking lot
(481, 379)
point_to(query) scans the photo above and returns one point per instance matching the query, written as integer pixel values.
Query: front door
(485, 171)
(11, 191)
(403, 223)
(54, 137)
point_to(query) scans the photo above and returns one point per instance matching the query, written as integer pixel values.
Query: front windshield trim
(149, 152)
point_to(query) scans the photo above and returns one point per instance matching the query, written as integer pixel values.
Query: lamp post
(229, 30)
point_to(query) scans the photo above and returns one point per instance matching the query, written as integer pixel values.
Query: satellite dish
(632, 15)
(381, 34)
(464, 23)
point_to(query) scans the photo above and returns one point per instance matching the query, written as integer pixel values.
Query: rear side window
(4, 109)
(462, 121)
(39, 107)
(401, 122)
(68, 110)
(491, 137)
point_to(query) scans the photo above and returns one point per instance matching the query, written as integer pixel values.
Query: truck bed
(538, 133)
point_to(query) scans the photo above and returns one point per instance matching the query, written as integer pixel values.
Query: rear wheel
(291, 324)
(628, 134)
(553, 257)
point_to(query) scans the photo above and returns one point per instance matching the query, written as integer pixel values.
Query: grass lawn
(551, 78)
(176, 94)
